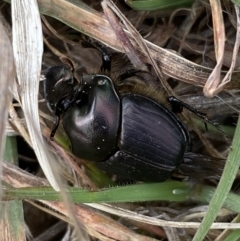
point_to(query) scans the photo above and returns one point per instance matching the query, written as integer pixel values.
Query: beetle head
(59, 82)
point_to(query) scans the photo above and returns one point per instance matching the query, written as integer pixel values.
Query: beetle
(129, 134)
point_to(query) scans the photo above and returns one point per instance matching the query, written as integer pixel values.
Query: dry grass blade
(16, 123)
(219, 40)
(227, 232)
(7, 73)
(95, 223)
(228, 76)
(6, 229)
(180, 47)
(127, 45)
(136, 38)
(100, 223)
(19, 178)
(213, 85)
(28, 49)
(75, 166)
(159, 222)
(94, 24)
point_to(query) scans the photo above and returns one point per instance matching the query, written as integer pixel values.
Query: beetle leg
(56, 124)
(177, 107)
(63, 105)
(60, 108)
(106, 59)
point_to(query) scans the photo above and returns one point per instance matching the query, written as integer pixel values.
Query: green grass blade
(166, 191)
(237, 2)
(151, 5)
(12, 211)
(224, 186)
(234, 236)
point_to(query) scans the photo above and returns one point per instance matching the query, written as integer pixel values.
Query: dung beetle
(130, 135)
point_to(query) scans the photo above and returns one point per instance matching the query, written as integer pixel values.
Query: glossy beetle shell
(152, 142)
(131, 136)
